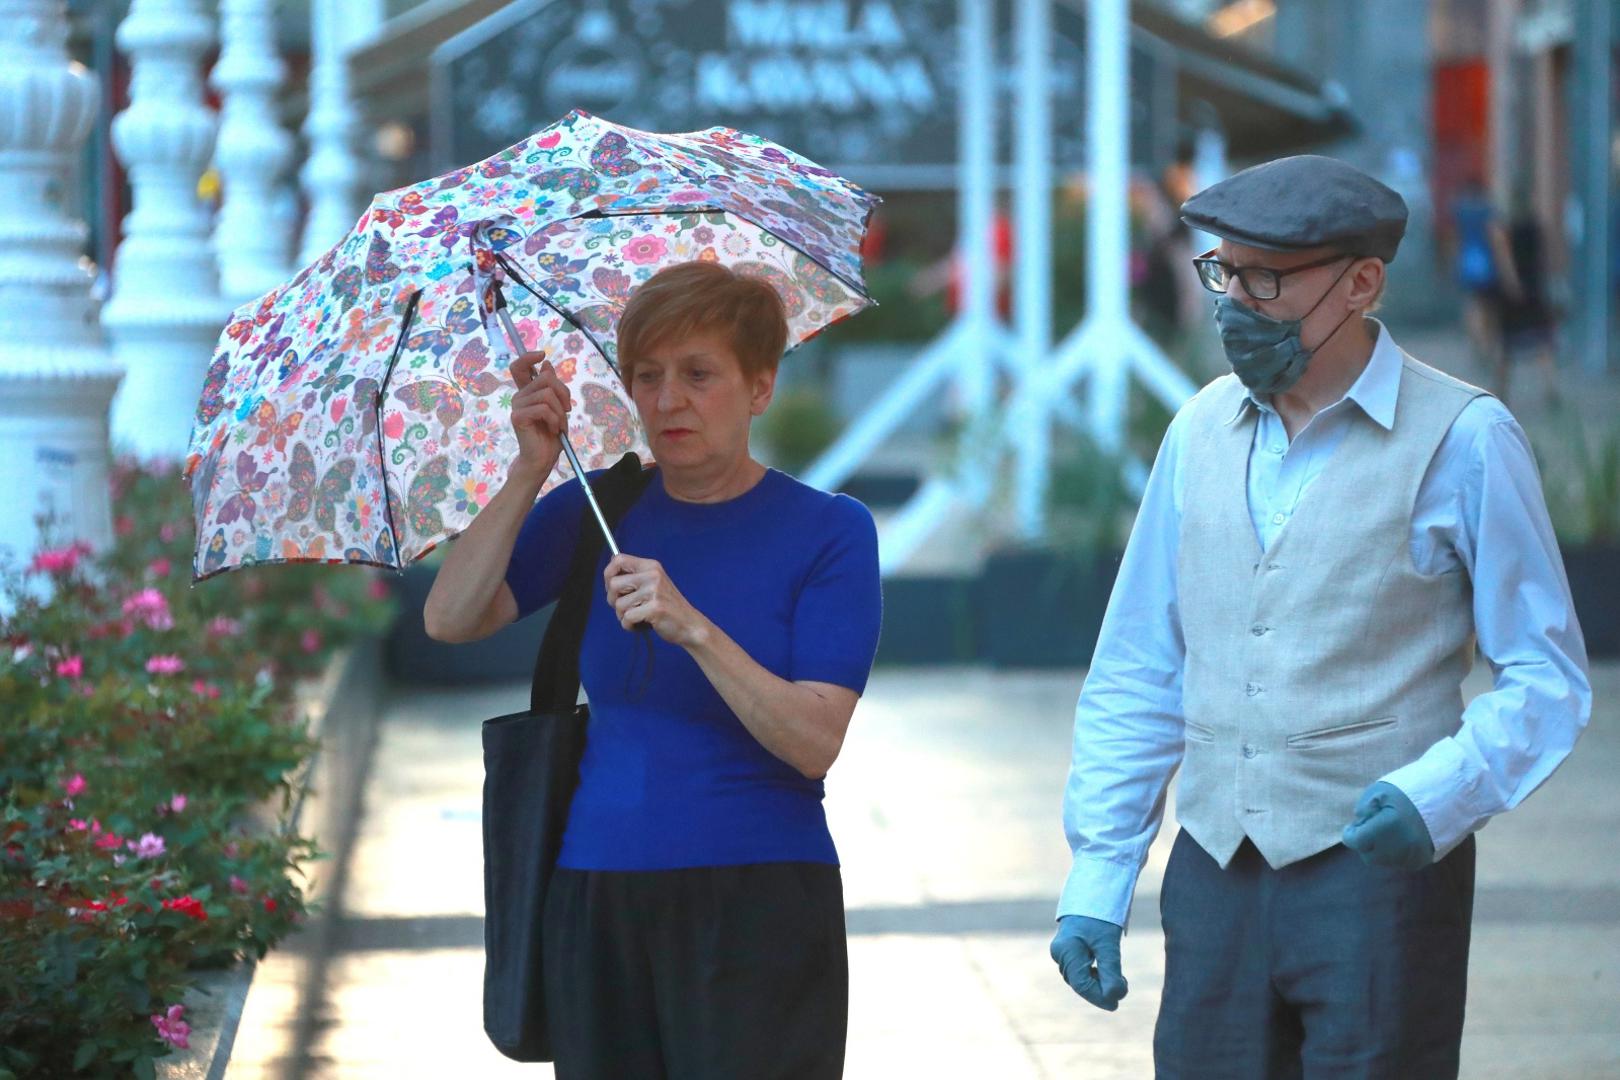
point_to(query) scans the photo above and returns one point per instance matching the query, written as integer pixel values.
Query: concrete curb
(342, 707)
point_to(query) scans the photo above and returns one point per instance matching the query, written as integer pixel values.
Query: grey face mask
(1265, 353)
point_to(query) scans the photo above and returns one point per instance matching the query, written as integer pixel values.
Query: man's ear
(764, 390)
(1366, 282)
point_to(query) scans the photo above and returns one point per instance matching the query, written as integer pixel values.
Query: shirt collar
(1375, 390)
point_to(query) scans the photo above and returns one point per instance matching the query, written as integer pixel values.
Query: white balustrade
(334, 177)
(165, 312)
(56, 376)
(252, 153)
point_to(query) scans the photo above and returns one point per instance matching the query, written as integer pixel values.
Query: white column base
(54, 429)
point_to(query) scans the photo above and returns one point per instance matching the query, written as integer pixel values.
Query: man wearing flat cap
(1324, 536)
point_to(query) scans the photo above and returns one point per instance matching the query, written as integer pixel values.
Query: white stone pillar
(334, 177)
(165, 313)
(252, 153)
(56, 375)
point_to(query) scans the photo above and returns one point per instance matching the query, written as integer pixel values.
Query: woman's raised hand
(539, 414)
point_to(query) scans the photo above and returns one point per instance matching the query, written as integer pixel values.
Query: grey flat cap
(1299, 203)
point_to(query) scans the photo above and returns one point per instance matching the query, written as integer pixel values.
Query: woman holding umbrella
(695, 923)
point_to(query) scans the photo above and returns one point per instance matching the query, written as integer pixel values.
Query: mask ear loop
(1312, 350)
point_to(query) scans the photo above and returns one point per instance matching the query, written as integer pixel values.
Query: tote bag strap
(556, 669)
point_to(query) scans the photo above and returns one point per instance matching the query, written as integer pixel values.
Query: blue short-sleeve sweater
(671, 778)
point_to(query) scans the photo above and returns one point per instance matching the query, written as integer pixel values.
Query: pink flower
(178, 803)
(166, 533)
(238, 886)
(221, 626)
(59, 560)
(78, 824)
(159, 568)
(165, 665)
(310, 641)
(172, 1029)
(232, 849)
(644, 250)
(109, 841)
(71, 668)
(204, 689)
(150, 607)
(378, 589)
(73, 786)
(149, 846)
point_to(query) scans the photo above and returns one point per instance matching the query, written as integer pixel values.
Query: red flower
(270, 905)
(109, 841)
(187, 905)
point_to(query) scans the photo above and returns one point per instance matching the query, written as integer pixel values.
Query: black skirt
(715, 972)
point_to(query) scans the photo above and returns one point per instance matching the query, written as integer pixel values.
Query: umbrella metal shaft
(516, 344)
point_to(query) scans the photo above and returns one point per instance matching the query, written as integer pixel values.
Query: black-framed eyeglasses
(1259, 282)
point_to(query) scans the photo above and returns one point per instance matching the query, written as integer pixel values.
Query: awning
(1264, 108)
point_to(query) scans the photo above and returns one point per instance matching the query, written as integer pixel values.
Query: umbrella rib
(382, 451)
(511, 269)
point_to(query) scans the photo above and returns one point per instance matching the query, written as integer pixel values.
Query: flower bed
(146, 729)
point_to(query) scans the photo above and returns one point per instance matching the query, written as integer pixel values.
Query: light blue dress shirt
(1479, 511)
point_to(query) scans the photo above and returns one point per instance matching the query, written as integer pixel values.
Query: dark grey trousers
(1327, 968)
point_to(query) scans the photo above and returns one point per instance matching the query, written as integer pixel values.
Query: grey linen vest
(1316, 667)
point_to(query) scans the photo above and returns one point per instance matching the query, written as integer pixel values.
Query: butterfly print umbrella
(360, 412)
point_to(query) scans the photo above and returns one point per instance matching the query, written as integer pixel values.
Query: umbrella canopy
(360, 413)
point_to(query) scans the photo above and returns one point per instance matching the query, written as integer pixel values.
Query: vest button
(1252, 689)
(1279, 518)
(1249, 751)
(1259, 631)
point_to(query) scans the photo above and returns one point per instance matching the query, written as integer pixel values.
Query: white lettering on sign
(811, 24)
(782, 82)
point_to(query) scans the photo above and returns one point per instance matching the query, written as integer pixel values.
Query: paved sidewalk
(945, 809)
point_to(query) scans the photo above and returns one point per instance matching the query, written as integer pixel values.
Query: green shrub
(145, 731)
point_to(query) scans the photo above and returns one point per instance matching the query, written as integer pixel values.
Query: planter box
(928, 619)
(507, 655)
(882, 490)
(1040, 608)
(1594, 581)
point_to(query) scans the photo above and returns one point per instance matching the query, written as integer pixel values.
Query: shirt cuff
(1442, 784)
(1100, 889)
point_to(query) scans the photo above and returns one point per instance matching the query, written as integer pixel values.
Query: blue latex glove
(1388, 830)
(1081, 941)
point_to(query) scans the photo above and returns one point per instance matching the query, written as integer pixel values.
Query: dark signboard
(865, 87)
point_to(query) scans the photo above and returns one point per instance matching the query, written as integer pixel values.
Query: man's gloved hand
(1388, 830)
(1081, 941)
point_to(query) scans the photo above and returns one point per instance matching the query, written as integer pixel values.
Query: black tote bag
(531, 767)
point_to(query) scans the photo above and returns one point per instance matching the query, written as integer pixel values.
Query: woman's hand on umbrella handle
(641, 594)
(539, 414)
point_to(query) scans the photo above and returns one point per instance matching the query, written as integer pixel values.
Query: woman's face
(696, 403)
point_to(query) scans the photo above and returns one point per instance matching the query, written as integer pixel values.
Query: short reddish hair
(700, 297)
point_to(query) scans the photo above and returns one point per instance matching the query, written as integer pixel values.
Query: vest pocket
(1306, 740)
(1198, 732)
